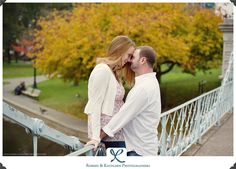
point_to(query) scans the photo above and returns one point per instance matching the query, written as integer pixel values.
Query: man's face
(135, 60)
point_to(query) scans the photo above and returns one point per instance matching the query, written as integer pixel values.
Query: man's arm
(135, 103)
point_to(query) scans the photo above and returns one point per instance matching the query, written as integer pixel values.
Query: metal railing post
(35, 144)
(198, 122)
(163, 136)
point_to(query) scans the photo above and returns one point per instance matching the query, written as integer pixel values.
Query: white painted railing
(38, 128)
(184, 125)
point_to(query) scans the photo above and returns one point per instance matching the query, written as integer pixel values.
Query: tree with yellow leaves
(68, 43)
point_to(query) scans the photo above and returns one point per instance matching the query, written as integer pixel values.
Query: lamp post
(30, 24)
(35, 73)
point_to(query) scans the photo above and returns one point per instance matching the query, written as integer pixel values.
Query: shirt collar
(140, 78)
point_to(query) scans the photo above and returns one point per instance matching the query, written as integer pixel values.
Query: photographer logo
(116, 154)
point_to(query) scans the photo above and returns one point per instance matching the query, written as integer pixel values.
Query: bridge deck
(218, 141)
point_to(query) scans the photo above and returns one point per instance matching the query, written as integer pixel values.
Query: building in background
(224, 9)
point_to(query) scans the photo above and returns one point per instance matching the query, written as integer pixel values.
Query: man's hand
(102, 134)
(92, 142)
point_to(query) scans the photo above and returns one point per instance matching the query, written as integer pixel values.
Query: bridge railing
(184, 125)
(37, 128)
(180, 127)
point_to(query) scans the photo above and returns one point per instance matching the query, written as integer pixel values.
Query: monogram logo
(117, 154)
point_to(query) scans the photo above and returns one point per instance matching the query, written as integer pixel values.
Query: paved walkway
(58, 120)
(218, 141)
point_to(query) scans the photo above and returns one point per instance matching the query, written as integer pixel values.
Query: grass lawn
(15, 70)
(176, 88)
(64, 97)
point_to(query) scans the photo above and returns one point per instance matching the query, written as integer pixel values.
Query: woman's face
(127, 55)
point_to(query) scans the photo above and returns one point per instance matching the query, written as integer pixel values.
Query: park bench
(31, 92)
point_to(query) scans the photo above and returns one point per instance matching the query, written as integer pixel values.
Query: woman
(105, 91)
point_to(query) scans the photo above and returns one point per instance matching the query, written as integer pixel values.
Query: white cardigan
(102, 86)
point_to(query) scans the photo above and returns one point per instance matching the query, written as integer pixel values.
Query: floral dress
(117, 105)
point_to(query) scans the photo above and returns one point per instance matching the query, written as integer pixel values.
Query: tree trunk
(158, 73)
(8, 56)
(76, 83)
(16, 58)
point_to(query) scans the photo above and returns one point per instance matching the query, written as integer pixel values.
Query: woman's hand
(93, 142)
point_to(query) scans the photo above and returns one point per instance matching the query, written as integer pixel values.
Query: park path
(53, 118)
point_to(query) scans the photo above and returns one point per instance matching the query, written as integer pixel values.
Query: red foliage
(23, 46)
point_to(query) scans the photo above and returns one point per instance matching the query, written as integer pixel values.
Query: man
(140, 115)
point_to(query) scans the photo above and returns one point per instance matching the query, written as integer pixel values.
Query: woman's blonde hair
(117, 48)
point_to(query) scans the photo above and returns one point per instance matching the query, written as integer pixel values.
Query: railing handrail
(185, 124)
(37, 127)
(188, 102)
(203, 95)
(81, 151)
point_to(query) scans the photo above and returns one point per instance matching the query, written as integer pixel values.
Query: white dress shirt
(139, 116)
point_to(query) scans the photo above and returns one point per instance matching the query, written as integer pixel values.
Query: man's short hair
(149, 53)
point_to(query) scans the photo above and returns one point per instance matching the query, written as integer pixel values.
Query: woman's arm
(98, 84)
